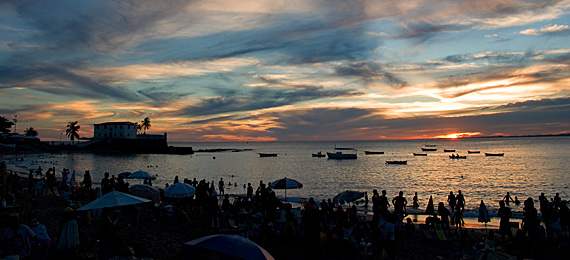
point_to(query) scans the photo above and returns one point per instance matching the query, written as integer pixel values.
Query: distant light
(458, 135)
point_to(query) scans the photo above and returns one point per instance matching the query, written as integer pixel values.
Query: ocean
(530, 165)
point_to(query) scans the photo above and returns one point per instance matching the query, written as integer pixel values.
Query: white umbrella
(145, 191)
(179, 190)
(113, 199)
(72, 179)
(484, 214)
(348, 196)
(141, 175)
(224, 246)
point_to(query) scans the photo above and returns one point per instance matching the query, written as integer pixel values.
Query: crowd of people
(326, 227)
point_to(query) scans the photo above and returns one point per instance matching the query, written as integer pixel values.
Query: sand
(152, 238)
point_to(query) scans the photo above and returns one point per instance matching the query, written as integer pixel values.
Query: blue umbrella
(224, 247)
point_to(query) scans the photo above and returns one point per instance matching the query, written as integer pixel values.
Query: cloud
(370, 72)
(258, 98)
(59, 80)
(548, 30)
(365, 124)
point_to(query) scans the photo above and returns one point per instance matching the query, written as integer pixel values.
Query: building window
(105, 126)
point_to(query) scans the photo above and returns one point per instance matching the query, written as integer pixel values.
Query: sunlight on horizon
(458, 135)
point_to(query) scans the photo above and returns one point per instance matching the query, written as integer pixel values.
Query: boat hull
(473, 151)
(494, 154)
(339, 155)
(428, 149)
(373, 152)
(396, 162)
(420, 154)
(267, 155)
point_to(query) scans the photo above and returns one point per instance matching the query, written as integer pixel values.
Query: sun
(458, 135)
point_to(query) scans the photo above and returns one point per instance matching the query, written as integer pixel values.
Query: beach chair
(346, 233)
(514, 227)
(565, 232)
(233, 225)
(427, 232)
(439, 232)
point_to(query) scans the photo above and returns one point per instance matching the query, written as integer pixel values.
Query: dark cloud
(259, 98)
(212, 120)
(423, 31)
(163, 95)
(61, 81)
(352, 123)
(370, 72)
(101, 26)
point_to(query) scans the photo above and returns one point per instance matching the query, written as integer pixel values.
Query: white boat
(342, 153)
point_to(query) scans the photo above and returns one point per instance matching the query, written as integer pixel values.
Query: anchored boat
(342, 153)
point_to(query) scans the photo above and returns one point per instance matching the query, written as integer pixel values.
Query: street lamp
(15, 125)
(60, 135)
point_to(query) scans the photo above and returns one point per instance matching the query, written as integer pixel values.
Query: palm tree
(139, 127)
(72, 130)
(31, 132)
(145, 124)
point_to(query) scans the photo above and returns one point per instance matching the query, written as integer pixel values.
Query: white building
(115, 130)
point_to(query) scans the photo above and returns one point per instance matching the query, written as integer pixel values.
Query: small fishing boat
(420, 154)
(319, 154)
(267, 154)
(494, 154)
(339, 154)
(449, 150)
(429, 149)
(396, 162)
(470, 151)
(457, 156)
(373, 152)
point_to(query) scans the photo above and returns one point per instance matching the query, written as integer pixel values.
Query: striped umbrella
(284, 184)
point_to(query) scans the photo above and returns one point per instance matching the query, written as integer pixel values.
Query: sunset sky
(288, 70)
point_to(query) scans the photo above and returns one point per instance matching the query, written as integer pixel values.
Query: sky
(291, 70)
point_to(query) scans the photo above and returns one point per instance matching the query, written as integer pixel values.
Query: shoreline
(152, 238)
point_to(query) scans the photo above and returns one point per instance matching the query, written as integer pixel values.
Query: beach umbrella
(484, 214)
(145, 191)
(224, 247)
(113, 199)
(179, 190)
(72, 179)
(348, 196)
(430, 210)
(284, 184)
(124, 174)
(141, 175)
(490, 255)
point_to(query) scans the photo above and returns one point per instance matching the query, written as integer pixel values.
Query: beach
(151, 237)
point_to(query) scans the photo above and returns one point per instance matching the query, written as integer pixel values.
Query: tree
(139, 127)
(5, 125)
(145, 124)
(72, 130)
(31, 132)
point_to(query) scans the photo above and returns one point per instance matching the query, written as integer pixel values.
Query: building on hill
(123, 136)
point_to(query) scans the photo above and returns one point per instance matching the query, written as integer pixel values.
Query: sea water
(530, 165)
